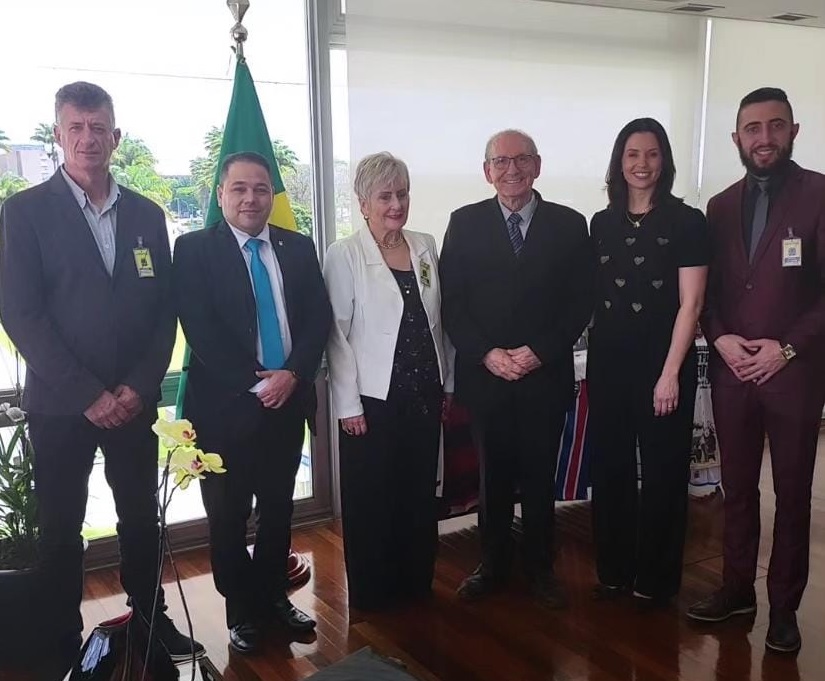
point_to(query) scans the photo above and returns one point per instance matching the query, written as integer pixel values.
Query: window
(171, 83)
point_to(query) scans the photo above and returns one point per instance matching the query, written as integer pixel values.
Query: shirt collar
(526, 212)
(774, 182)
(242, 237)
(82, 197)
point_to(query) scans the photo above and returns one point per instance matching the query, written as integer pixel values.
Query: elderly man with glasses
(517, 278)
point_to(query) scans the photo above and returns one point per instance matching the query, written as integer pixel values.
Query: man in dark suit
(765, 320)
(85, 295)
(256, 315)
(517, 286)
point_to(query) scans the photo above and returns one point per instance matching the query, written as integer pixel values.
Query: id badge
(143, 262)
(425, 274)
(791, 251)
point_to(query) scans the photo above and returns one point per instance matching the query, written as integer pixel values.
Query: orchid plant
(18, 504)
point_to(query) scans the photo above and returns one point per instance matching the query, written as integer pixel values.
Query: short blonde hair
(488, 150)
(378, 169)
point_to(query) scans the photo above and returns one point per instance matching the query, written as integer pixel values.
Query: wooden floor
(508, 638)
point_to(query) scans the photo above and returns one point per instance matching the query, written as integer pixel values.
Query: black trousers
(261, 462)
(640, 533)
(64, 453)
(519, 447)
(389, 512)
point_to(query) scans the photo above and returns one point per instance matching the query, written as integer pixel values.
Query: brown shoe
(721, 605)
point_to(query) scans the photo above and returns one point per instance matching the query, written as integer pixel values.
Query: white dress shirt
(276, 281)
(103, 221)
(526, 214)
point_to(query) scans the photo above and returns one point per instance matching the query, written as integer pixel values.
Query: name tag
(792, 252)
(143, 262)
(425, 274)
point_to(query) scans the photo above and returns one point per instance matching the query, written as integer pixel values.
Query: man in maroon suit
(766, 321)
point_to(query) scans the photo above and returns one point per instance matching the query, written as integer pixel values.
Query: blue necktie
(514, 232)
(268, 327)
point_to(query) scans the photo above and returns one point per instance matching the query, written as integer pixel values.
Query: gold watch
(788, 352)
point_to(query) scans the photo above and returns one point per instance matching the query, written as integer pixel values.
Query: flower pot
(22, 608)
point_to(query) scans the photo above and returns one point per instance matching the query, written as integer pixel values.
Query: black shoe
(783, 633)
(646, 603)
(177, 646)
(547, 591)
(287, 615)
(721, 605)
(244, 638)
(479, 584)
(606, 592)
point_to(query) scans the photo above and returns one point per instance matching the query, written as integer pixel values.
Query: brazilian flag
(245, 130)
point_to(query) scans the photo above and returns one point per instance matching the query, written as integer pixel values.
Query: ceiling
(812, 12)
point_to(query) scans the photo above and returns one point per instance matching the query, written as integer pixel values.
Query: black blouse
(637, 297)
(415, 380)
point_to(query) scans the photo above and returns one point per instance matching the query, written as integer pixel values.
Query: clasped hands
(278, 388)
(751, 360)
(511, 365)
(115, 408)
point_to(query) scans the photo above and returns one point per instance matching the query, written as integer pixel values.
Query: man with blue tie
(253, 306)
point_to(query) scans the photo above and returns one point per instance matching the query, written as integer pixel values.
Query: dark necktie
(760, 217)
(272, 345)
(514, 232)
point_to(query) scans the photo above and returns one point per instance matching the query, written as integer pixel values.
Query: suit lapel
(734, 208)
(420, 257)
(500, 239)
(77, 228)
(291, 275)
(127, 231)
(235, 275)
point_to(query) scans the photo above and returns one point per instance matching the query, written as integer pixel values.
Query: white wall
(744, 56)
(430, 81)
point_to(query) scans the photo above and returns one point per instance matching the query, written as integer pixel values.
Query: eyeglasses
(522, 161)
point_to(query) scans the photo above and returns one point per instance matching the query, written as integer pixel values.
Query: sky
(168, 66)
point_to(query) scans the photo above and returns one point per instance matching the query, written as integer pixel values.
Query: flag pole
(239, 33)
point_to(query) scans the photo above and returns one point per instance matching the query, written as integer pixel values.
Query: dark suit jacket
(80, 330)
(491, 299)
(763, 299)
(216, 306)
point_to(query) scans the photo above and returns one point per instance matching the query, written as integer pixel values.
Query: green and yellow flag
(245, 130)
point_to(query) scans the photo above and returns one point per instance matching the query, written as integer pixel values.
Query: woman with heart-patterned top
(652, 252)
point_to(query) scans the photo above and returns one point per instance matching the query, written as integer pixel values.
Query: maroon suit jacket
(763, 299)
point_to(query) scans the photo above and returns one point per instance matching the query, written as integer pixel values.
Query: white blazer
(366, 313)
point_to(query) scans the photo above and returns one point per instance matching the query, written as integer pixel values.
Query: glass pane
(186, 504)
(170, 103)
(344, 225)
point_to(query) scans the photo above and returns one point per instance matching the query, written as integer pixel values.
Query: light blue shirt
(526, 213)
(102, 222)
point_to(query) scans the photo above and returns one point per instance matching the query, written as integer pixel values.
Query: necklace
(637, 223)
(388, 245)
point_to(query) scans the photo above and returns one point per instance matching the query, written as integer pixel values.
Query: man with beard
(765, 319)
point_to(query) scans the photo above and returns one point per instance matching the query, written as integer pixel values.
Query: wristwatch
(788, 352)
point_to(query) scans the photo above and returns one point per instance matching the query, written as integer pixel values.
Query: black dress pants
(260, 462)
(640, 532)
(389, 511)
(519, 447)
(64, 448)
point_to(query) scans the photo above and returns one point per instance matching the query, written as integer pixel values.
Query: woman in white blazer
(390, 369)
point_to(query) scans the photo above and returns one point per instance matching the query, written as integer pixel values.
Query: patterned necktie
(760, 217)
(272, 345)
(513, 231)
